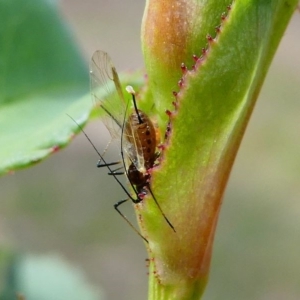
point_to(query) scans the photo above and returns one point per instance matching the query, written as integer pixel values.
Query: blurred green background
(64, 205)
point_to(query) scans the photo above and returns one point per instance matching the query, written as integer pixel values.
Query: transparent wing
(132, 147)
(107, 92)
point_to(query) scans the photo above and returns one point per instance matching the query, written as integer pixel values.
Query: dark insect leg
(165, 217)
(116, 206)
(114, 173)
(101, 163)
(117, 172)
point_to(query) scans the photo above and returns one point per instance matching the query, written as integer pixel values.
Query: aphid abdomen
(143, 135)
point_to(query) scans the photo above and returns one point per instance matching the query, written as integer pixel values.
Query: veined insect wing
(107, 92)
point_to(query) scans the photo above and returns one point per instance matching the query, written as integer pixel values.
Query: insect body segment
(145, 134)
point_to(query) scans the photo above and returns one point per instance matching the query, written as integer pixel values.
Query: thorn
(209, 38)
(180, 82)
(218, 28)
(162, 147)
(175, 104)
(168, 131)
(195, 58)
(55, 149)
(183, 67)
(169, 113)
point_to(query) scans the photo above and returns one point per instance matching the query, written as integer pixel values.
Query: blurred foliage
(43, 77)
(42, 278)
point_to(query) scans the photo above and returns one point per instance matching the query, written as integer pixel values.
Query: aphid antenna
(117, 179)
(160, 209)
(117, 171)
(131, 91)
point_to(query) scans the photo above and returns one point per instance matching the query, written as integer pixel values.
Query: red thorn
(175, 104)
(223, 16)
(175, 94)
(195, 58)
(168, 133)
(229, 7)
(218, 29)
(169, 113)
(180, 82)
(204, 51)
(183, 67)
(162, 147)
(209, 38)
(55, 149)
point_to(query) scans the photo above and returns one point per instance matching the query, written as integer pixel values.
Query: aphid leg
(117, 171)
(101, 164)
(116, 206)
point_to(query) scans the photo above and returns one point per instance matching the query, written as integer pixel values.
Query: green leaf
(42, 79)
